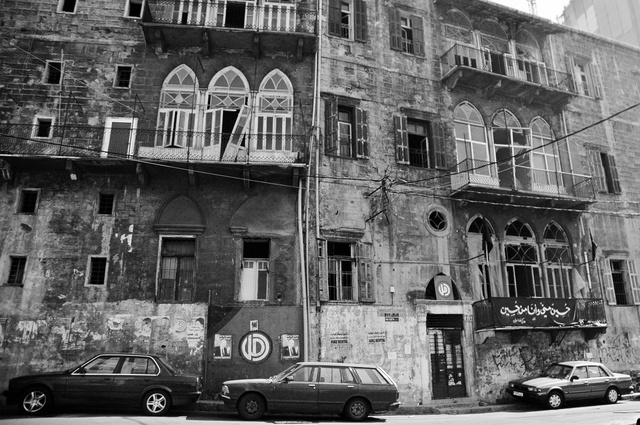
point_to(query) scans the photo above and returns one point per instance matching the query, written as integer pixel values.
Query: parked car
(575, 380)
(350, 390)
(120, 380)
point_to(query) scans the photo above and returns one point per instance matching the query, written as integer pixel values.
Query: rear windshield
(370, 376)
(166, 364)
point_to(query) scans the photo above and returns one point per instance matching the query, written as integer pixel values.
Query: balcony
(214, 25)
(549, 314)
(476, 180)
(500, 73)
(101, 147)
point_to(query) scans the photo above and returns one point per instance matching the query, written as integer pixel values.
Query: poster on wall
(222, 345)
(290, 347)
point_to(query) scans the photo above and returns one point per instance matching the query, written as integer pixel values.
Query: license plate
(518, 394)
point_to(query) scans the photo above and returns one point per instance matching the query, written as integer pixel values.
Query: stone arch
(180, 214)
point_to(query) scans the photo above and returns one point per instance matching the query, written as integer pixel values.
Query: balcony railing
(504, 313)
(471, 172)
(181, 146)
(278, 17)
(507, 65)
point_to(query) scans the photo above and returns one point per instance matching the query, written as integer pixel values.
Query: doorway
(447, 365)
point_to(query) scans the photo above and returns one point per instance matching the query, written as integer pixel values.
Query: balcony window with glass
(521, 261)
(545, 159)
(177, 112)
(274, 118)
(511, 144)
(472, 147)
(557, 262)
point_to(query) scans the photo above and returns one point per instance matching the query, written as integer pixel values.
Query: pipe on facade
(303, 276)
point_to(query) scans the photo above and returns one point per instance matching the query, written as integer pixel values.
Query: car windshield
(557, 371)
(283, 373)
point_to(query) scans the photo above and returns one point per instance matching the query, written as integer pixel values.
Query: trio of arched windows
(228, 117)
(519, 265)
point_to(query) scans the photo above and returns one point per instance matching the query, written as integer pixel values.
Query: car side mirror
(287, 379)
(574, 378)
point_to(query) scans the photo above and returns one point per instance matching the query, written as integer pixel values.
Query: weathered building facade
(463, 160)
(152, 155)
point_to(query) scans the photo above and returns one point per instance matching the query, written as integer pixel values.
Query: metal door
(447, 367)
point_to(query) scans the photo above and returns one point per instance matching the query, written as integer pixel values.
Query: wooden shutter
(597, 171)
(633, 281)
(596, 80)
(571, 69)
(323, 272)
(608, 282)
(335, 14)
(365, 271)
(395, 29)
(613, 181)
(360, 20)
(402, 139)
(331, 126)
(362, 133)
(418, 35)
(437, 151)
(119, 136)
(237, 135)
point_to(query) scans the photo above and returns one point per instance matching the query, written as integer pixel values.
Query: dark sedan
(575, 380)
(350, 390)
(122, 380)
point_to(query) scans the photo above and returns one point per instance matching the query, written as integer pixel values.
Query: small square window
(105, 204)
(97, 271)
(42, 128)
(67, 6)
(123, 76)
(16, 270)
(28, 201)
(53, 73)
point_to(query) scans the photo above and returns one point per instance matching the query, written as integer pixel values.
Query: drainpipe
(303, 276)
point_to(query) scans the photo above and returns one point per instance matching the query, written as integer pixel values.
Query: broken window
(105, 203)
(407, 32)
(67, 6)
(586, 76)
(472, 147)
(512, 148)
(123, 76)
(348, 19)
(28, 201)
(177, 116)
(53, 72)
(177, 269)
(604, 172)
(254, 277)
(346, 129)
(97, 274)
(16, 270)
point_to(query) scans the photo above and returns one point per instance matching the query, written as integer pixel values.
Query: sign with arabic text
(533, 312)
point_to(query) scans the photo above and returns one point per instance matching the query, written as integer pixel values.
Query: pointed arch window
(458, 28)
(275, 114)
(511, 144)
(480, 240)
(471, 141)
(522, 264)
(558, 264)
(177, 112)
(530, 66)
(545, 159)
(227, 113)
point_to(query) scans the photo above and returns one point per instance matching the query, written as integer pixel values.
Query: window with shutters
(604, 172)
(419, 142)
(119, 137)
(346, 271)
(254, 277)
(346, 129)
(348, 19)
(586, 76)
(177, 269)
(621, 281)
(407, 32)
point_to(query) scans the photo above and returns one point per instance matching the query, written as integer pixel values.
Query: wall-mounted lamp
(392, 289)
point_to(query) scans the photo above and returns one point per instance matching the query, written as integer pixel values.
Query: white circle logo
(444, 289)
(255, 347)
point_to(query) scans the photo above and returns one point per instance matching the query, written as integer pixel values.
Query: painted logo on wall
(255, 347)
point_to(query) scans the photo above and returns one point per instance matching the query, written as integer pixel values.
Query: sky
(549, 9)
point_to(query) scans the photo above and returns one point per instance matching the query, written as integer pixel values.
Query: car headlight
(534, 389)
(225, 390)
(511, 385)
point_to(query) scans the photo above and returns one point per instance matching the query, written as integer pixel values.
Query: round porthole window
(438, 221)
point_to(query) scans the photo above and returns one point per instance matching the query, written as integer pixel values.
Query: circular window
(438, 220)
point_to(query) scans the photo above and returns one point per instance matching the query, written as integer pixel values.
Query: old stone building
(443, 188)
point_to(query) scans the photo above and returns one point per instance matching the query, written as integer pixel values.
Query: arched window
(471, 141)
(458, 28)
(274, 114)
(530, 66)
(227, 113)
(512, 151)
(177, 112)
(527, 46)
(522, 265)
(493, 37)
(557, 257)
(480, 244)
(545, 159)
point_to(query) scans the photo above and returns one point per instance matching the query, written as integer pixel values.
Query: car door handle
(350, 386)
(312, 385)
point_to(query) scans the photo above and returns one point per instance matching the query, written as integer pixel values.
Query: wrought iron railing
(539, 312)
(507, 65)
(518, 177)
(183, 146)
(284, 17)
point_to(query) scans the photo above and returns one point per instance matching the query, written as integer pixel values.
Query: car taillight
(199, 384)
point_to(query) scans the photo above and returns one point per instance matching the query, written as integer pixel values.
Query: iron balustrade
(504, 64)
(278, 17)
(187, 146)
(519, 177)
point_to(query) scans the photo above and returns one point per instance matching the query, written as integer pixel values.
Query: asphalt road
(623, 413)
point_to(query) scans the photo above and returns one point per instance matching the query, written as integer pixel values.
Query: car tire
(555, 400)
(357, 409)
(36, 401)
(156, 402)
(251, 407)
(611, 396)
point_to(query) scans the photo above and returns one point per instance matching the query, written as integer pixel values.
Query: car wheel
(357, 409)
(555, 400)
(251, 407)
(36, 401)
(156, 402)
(611, 396)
